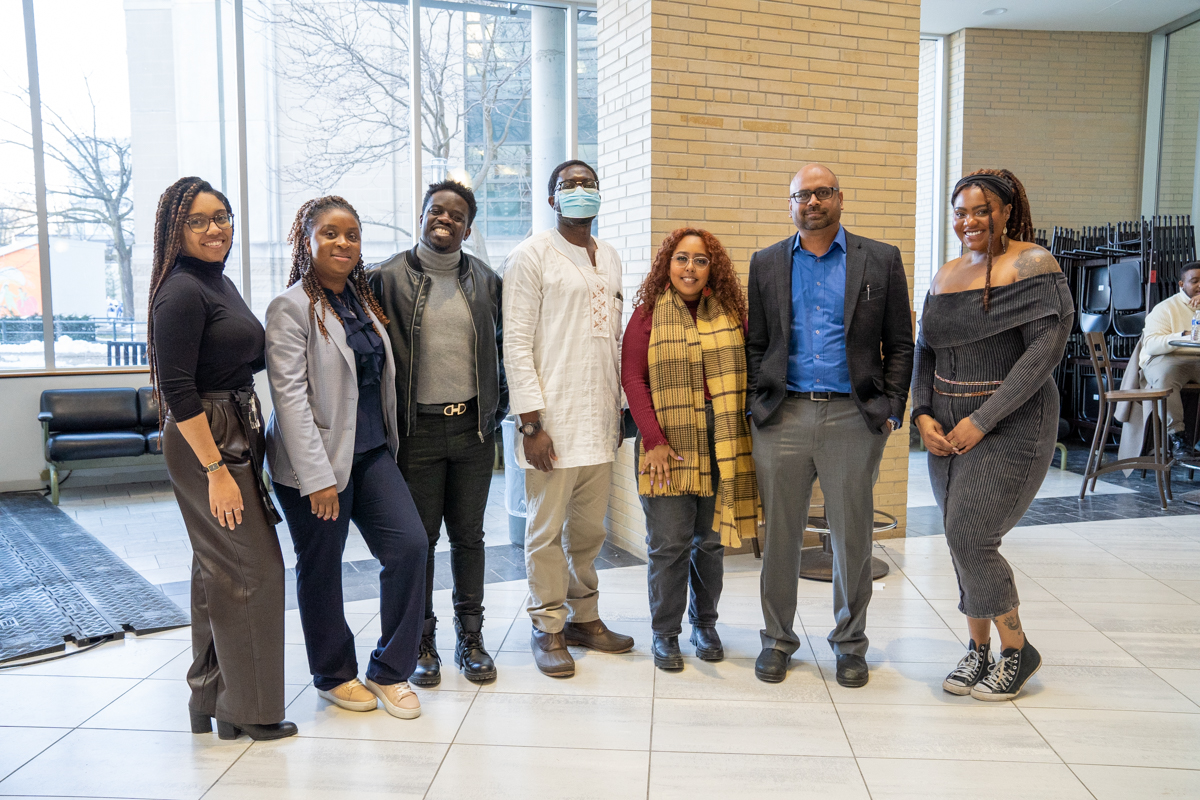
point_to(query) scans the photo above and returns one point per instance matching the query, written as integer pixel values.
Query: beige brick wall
(741, 95)
(1065, 111)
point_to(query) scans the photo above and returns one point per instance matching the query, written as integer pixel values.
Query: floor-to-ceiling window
(304, 98)
(1178, 186)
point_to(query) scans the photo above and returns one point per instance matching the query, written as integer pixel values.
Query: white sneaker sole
(956, 688)
(995, 697)
(349, 705)
(394, 710)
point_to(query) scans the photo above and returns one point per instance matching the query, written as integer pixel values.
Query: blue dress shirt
(817, 350)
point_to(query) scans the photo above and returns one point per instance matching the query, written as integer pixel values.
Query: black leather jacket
(401, 286)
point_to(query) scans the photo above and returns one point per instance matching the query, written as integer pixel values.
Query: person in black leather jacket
(443, 307)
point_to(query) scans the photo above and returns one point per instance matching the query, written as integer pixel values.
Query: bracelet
(213, 467)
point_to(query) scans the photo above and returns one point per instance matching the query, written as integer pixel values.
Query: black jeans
(380, 505)
(449, 471)
(682, 547)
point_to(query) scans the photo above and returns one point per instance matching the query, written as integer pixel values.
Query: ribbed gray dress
(1012, 349)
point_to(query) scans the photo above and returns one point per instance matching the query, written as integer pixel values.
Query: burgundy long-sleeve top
(635, 375)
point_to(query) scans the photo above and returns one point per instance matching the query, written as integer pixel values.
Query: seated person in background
(1167, 367)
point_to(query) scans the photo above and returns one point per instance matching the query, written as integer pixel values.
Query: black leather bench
(98, 428)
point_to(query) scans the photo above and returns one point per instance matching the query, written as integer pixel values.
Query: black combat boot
(476, 665)
(429, 663)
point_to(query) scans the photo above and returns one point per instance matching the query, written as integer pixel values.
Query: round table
(816, 563)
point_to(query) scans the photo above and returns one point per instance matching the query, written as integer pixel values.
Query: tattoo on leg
(1012, 621)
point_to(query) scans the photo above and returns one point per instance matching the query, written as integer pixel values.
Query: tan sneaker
(397, 698)
(351, 695)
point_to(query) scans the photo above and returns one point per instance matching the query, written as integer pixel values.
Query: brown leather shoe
(595, 635)
(550, 654)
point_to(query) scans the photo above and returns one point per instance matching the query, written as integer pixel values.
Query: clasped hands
(958, 442)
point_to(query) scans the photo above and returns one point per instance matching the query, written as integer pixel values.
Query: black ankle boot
(665, 650)
(259, 733)
(429, 663)
(476, 665)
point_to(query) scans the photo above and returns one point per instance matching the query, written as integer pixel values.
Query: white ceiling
(1131, 16)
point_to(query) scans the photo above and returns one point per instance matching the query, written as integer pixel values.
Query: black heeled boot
(429, 664)
(259, 733)
(469, 655)
(201, 723)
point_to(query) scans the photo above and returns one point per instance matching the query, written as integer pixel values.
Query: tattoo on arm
(1035, 261)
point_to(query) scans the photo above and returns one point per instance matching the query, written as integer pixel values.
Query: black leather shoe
(428, 671)
(259, 733)
(595, 635)
(708, 644)
(551, 655)
(470, 657)
(665, 650)
(201, 723)
(771, 665)
(852, 671)
(1180, 449)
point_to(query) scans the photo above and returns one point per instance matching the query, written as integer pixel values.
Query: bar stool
(1159, 460)
(816, 563)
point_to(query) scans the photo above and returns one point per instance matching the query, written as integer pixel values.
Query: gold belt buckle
(454, 409)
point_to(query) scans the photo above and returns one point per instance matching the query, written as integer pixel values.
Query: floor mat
(58, 583)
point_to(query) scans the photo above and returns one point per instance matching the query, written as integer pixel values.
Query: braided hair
(1005, 187)
(302, 228)
(169, 220)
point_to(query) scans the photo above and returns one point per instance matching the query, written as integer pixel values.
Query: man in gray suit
(830, 354)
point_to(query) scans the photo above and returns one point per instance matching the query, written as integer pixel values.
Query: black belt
(446, 409)
(821, 397)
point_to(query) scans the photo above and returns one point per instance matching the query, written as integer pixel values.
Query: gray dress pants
(809, 440)
(237, 583)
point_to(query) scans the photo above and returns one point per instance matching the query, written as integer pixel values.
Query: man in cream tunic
(562, 313)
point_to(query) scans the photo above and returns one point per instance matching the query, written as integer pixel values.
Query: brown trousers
(237, 580)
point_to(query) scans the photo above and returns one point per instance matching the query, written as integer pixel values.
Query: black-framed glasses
(823, 193)
(571, 184)
(681, 260)
(198, 223)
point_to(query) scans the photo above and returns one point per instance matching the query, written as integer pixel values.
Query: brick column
(706, 110)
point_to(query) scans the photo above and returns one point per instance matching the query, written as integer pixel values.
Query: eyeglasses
(681, 260)
(199, 223)
(569, 184)
(823, 193)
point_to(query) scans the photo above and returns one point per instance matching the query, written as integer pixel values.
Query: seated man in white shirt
(562, 327)
(1167, 367)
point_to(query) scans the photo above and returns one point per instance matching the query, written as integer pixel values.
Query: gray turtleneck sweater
(446, 361)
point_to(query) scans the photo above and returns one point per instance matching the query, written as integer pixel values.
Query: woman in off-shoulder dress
(994, 327)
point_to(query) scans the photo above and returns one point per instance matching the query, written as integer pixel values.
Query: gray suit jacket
(314, 386)
(878, 323)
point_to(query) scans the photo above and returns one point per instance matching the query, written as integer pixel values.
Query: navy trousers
(378, 501)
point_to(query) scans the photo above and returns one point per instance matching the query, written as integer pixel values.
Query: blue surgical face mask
(579, 203)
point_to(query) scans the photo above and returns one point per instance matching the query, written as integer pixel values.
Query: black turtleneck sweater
(206, 339)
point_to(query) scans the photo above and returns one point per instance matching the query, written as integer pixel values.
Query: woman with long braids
(331, 452)
(993, 329)
(683, 366)
(204, 347)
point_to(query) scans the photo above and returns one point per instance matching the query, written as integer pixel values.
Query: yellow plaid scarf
(681, 356)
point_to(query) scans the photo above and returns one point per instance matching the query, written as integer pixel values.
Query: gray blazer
(314, 386)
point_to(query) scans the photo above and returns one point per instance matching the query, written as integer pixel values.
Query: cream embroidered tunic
(562, 336)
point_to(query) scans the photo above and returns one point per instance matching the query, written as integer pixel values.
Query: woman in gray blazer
(331, 452)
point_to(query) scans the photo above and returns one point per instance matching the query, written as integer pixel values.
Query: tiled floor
(1114, 713)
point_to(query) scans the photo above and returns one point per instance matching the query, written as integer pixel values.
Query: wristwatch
(213, 467)
(530, 428)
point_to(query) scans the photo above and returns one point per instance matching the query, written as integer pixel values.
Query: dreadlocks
(302, 228)
(173, 208)
(1005, 187)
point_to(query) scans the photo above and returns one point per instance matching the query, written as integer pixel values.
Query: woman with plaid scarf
(683, 366)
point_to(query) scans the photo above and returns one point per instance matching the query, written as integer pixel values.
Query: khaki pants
(1172, 372)
(564, 531)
